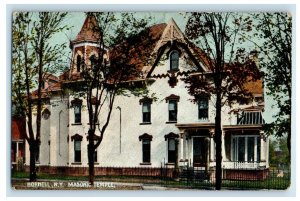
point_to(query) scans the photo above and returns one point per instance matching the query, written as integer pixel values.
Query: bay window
(245, 148)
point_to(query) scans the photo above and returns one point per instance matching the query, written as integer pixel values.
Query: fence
(239, 179)
(186, 177)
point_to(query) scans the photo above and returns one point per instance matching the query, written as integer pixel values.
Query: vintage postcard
(140, 101)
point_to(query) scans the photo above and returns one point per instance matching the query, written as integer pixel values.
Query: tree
(275, 35)
(279, 153)
(33, 56)
(129, 42)
(229, 66)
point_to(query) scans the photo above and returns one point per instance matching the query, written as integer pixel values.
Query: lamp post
(119, 108)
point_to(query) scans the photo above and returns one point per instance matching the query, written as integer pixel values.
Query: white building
(143, 132)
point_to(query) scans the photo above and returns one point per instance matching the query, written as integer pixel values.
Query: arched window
(93, 60)
(174, 60)
(78, 63)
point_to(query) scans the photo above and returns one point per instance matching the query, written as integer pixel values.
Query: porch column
(187, 149)
(212, 146)
(181, 146)
(262, 146)
(17, 154)
(223, 145)
(207, 142)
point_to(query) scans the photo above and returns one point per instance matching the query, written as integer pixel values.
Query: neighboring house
(18, 129)
(168, 130)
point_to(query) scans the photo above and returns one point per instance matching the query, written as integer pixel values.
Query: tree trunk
(32, 169)
(289, 144)
(218, 140)
(91, 152)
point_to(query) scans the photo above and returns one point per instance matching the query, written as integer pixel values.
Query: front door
(199, 152)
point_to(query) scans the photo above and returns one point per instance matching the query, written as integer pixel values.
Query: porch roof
(199, 125)
(243, 127)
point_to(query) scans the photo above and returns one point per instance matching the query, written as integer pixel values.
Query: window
(146, 150)
(246, 148)
(77, 147)
(173, 110)
(77, 113)
(46, 114)
(93, 60)
(78, 63)
(203, 108)
(174, 60)
(146, 112)
(77, 151)
(171, 150)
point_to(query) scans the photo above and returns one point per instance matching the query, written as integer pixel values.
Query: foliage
(279, 153)
(275, 34)
(229, 66)
(33, 58)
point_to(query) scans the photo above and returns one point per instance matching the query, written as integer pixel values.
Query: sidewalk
(48, 184)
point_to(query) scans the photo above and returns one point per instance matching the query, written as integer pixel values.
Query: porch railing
(243, 165)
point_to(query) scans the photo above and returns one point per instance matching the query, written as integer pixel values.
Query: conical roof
(89, 31)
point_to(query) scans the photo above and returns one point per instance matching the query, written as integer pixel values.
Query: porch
(243, 147)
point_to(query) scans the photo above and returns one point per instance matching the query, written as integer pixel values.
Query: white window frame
(233, 154)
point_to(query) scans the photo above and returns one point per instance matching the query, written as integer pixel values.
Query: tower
(85, 47)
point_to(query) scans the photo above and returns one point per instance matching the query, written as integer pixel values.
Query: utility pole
(119, 108)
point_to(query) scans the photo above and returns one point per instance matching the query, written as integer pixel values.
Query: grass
(281, 183)
(272, 182)
(25, 175)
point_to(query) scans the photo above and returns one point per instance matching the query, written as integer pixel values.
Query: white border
(5, 85)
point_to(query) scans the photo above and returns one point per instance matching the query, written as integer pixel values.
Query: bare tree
(33, 56)
(125, 45)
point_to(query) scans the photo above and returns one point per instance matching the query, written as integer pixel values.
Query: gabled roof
(50, 76)
(171, 32)
(89, 31)
(163, 34)
(172, 35)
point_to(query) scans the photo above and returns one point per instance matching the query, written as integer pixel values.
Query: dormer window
(78, 63)
(174, 60)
